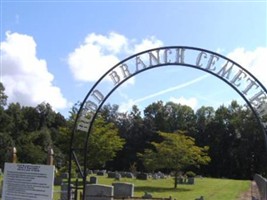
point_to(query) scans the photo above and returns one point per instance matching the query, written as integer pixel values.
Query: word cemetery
(230, 72)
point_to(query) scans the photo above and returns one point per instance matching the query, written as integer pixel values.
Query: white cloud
(114, 43)
(127, 106)
(254, 61)
(95, 56)
(191, 102)
(147, 44)
(25, 77)
(99, 53)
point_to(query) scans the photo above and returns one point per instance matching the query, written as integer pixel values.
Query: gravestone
(161, 175)
(65, 175)
(64, 192)
(123, 190)
(101, 173)
(142, 176)
(155, 176)
(98, 192)
(111, 174)
(129, 175)
(123, 174)
(93, 180)
(180, 180)
(57, 180)
(191, 180)
(117, 176)
(1, 188)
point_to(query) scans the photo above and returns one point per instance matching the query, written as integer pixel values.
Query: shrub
(190, 174)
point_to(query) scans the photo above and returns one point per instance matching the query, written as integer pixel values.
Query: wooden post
(14, 155)
(50, 158)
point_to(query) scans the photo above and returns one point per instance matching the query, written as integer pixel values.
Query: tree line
(230, 136)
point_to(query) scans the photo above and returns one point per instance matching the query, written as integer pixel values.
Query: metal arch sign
(240, 79)
(252, 91)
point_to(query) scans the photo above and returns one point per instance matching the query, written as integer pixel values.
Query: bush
(190, 174)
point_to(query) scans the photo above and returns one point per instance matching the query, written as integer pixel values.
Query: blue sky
(54, 51)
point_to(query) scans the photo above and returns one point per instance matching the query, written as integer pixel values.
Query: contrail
(183, 85)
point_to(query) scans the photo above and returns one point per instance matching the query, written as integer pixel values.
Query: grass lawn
(209, 188)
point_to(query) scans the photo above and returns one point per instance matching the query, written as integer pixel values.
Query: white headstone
(98, 192)
(64, 192)
(1, 187)
(123, 190)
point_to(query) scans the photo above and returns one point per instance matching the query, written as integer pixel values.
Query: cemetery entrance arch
(237, 77)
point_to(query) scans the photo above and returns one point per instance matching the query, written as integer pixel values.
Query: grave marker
(98, 192)
(123, 190)
(93, 180)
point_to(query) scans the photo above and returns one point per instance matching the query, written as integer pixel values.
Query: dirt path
(252, 193)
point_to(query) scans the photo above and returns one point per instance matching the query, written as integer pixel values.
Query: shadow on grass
(160, 189)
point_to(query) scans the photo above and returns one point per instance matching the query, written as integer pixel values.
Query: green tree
(46, 114)
(3, 96)
(104, 143)
(6, 122)
(170, 117)
(179, 117)
(137, 134)
(18, 123)
(33, 147)
(6, 145)
(204, 117)
(176, 152)
(110, 113)
(156, 115)
(31, 118)
(236, 143)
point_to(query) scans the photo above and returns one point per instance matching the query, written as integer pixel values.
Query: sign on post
(28, 182)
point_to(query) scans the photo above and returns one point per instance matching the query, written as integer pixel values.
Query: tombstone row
(115, 175)
(110, 174)
(118, 175)
(103, 192)
(140, 176)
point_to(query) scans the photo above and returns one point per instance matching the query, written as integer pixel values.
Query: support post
(14, 155)
(50, 158)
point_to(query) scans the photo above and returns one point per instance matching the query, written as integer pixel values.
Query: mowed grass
(209, 188)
